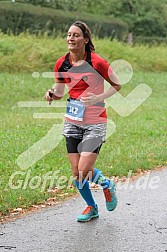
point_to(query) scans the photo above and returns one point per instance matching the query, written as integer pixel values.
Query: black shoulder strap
(66, 63)
(88, 58)
(67, 59)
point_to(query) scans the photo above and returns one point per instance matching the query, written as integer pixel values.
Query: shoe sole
(91, 217)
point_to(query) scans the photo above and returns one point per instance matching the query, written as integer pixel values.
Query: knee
(85, 174)
(76, 175)
(79, 174)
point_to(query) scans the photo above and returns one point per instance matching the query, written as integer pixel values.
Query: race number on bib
(75, 110)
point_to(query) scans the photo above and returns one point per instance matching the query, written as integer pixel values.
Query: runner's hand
(90, 99)
(48, 96)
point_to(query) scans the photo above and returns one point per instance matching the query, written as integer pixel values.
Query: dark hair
(86, 34)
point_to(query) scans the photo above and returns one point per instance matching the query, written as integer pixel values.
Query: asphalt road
(138, 224)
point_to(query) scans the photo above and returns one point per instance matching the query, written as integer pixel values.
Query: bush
(18, 18)
(150, 40)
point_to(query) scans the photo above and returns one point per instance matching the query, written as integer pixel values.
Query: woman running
(84, 72)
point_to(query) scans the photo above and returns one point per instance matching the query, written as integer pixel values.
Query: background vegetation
(146, 20)
(28, 53)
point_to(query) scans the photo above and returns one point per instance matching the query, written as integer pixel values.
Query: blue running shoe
(89, 213)
(110, 196)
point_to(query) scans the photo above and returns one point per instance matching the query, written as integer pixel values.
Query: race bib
(75, 110)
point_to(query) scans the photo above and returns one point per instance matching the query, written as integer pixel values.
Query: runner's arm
(114, 88)
(57, 92)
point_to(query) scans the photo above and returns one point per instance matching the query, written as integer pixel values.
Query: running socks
(100, 179)
(84, 189)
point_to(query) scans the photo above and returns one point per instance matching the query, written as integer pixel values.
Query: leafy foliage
(111, 18)
(18, 17)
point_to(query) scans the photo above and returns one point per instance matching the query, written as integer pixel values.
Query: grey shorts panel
(86, 131)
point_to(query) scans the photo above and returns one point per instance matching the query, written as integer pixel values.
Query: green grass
(138, 143)
(28, 53)
(140, 140)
